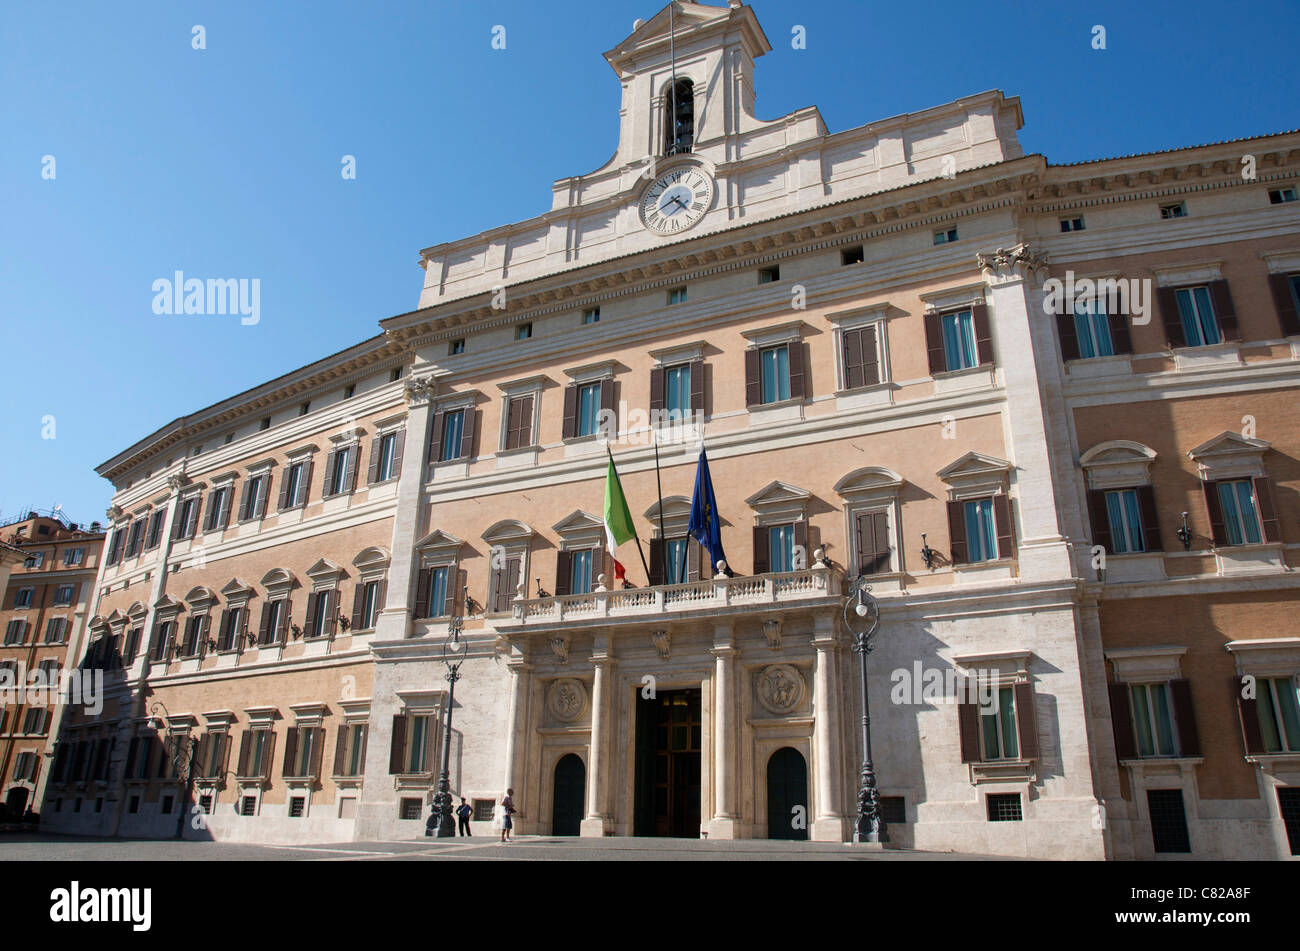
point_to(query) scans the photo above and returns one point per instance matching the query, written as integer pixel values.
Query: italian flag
(618, 520)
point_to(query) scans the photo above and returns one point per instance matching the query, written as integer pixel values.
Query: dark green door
(787, 795)
(570, 792)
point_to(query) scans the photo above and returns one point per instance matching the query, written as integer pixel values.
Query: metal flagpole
(663, 536)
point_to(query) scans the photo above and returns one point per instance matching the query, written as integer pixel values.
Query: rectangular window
(959, 340)
(519, 422)
(774, 364)
(1153, 722)
(1071, 224)
(417, 742)
(296, 805)
(1125, 521)
(410, 809)
(1176, 210)
(259, 752)
(193, 630)
(162, 638)
(1093, 330)
(591, 315)
(456, 346)
(115, 546)
(230, 625)
(14, 632)
(580, 571)
(588, 408)
(1240, 517)
(1279, 714)
(370, 605)
(1005, 807)
(998, 729)
(339, 481)
(187, 517)
(247, 806)
(483, 810)
(23, 599)
(135, 538)
(768, 275)
(349, 391)
(273, 618)
(34, 721)
(254, 497)
(304, 408)
(56, 630)
(675, 550)
(780, 542)
(64, 594)
(218, 508)
(677, 391)
(438, 591)
(945, 236)
(524, 331)
(35, 560)
(352, 761)
(154, 536)
(387, 453)
(304, 748)
(1168, 820)
(319, 611)
(74, 556)
(677, 295)
(264, 424)
(1200, 328)
(295, 485)
(853, 255)
(981, 532)
(453, 429)
(25, 768)
(1280, 196)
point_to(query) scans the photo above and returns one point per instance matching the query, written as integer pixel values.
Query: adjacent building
(863, 329)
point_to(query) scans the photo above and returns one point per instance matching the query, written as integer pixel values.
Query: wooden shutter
(983, 334)
(269, 756)
(1121, 721)
(657, 388)
(1189, 741)
(1212, 505)
(1005, 528)
(968, 731)
(1099, 518)
(1247, 712)
(1167, 301)
(283, 502)
(435, 437)
(313, 605)
(399, 447)
(262, 631)
(570, 428)
(317, 750)
(1069, 334)
(1224, 312)
(192, 523)
(223, 516)
(203, 754)
(341, 749)
(801, 540)
(381, 597)
(563, 572)
(957, 532)
(507, 584)
(350, 477)
(798, 369)
(1150, 515)
(606, 401)
(398, 747)
(753, 378)
(265, 493)
(331, 608)
(221, 754)
(1121, 339)
(291, 753)
(468, 418)
(376, 450)
(358, 604)
(244, 749)
(1268, 520)
(1285, 303)
(934, 343)
(331, 471)
(519, 432)
(697, 386)
(851, 358)
(455, 582)
(658, 568)
(1026, 721)
(762, 550)
(696, 557)
(872, 542)
(423, 585)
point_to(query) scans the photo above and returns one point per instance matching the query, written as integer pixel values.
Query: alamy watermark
(1129, 297)
(215, 296)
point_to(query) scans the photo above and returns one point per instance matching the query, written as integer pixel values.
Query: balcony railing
(767, 589)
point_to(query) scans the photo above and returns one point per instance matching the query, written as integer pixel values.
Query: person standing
(463, 812)
(507, 814)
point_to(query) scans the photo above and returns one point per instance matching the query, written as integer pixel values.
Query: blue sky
(225, 162)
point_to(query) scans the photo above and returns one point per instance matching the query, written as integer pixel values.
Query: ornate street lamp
(862, 617)
(182, 749)
(453, 655)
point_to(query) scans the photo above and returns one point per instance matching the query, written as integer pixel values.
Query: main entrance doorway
(570, 791)
(668, 738)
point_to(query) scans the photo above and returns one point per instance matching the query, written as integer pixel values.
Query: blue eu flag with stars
(704, 527)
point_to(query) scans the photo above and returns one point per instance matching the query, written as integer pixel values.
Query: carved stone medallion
(781, 688)
(567, 699)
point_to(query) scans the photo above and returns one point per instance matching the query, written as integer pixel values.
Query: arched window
(679, 116)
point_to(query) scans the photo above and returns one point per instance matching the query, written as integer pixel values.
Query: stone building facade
(859, 328)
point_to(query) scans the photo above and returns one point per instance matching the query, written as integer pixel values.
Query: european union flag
(704, 527)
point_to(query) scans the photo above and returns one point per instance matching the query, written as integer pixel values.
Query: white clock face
(676, 200)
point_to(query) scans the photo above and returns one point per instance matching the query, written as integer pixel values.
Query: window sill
(770, 414)
(449, 470)
(1120, 364)
(968, 378)
(518, 458)
(1244, 559)
(578, 446)
(1210, 356)
(348, 782)
(259, 782)
(1001, 569)
(412, 781)
(1134, 567)
(863, 397)
(1001, 771)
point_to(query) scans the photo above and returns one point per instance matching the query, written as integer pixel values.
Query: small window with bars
(410, 809)
(1005, 807)
(1168, 820)
(205, 803)
(248, 806)
(893, 810)
(483, 809)
(296, 807)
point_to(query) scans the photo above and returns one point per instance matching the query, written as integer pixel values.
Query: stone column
(1026, 359)
(597, 822)
(829, 821)
(521, 678)
(726, 817)
(395, 619)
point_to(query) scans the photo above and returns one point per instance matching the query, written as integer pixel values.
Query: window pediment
(508, 531)
(580, 529)
(278, 582)
(976, 474)
(593, 372)
(439, 542)
(1118, 463)
(373, 558)
(779, 501)
(324, 570)
(1138, 664)
(136, 611)
(869, 482)
(236, 590)
(1266, 657)
(676, 515)
(778, 333)
(1230, 454)
(166, 604)
(199, 598)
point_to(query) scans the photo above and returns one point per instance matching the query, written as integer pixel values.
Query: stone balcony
(810, 587)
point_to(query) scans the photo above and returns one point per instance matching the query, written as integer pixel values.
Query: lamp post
(862, 617)
(444, 826)
(183, 748)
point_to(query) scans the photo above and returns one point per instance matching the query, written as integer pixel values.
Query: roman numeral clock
(676, 200)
